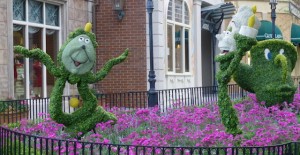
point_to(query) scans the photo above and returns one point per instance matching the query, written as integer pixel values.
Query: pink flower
(186, 126)
(106, 141)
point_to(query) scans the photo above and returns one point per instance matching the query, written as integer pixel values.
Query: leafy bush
(12, 106)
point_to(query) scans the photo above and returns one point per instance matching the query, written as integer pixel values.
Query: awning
(216, 11)
(212, 16)
(295, 34)
(265, 31)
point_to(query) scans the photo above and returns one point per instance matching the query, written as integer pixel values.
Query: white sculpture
(238, 24)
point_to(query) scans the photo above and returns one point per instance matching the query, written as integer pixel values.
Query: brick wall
(113, 37)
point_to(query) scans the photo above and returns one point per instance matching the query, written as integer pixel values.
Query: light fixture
(118, 5)
(178, 39)
(273, 4)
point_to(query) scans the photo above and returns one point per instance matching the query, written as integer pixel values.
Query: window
(178, 37)
(35, 25)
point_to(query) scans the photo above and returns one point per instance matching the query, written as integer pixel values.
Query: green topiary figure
(233, 47)
(269, 74)
(228, 65)
(76, 59)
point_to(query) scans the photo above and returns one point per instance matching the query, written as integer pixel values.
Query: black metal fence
(14, 143)
(14, 110)
(17, 143)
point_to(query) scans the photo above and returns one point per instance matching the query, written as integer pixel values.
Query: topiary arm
(40, 55)
(100, 75)
(243, 45)
(228, 113)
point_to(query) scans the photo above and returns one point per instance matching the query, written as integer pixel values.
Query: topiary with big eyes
(76, 59)
(269, 73)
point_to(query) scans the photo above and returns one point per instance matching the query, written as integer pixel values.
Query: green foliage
(3, 106)
(237, 101)
(13, 106)
(243, 71)
(280, 59)
(228, 65)
(20, 148)
(249, 135)
(14, 125)
(269, 74)
(86, 117)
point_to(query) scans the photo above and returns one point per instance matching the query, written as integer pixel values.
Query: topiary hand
(40, 55)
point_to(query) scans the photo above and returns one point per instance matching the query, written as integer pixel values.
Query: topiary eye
(80, 39)
(268, 54)
(281, 51)
(87, 41)
(227, 32)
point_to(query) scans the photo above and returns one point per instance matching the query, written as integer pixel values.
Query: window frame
(43, 26)
(172, 22)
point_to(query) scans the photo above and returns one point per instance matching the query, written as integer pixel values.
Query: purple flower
(185, 126)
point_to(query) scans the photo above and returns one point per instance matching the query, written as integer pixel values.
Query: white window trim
(43, 27)
(173, 23)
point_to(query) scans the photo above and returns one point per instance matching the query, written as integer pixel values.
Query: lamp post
(152, 94)
(273, 4)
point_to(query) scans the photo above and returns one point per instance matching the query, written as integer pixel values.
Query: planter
(12, 117)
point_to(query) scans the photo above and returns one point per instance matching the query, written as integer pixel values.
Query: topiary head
(78, 54)
(273, 62)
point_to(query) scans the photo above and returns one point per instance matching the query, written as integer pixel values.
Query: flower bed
(186, 127)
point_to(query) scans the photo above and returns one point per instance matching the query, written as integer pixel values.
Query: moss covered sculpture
(228, 65)
(233, 47)
(76, 59)
(269, 74)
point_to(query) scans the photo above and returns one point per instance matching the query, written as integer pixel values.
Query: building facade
(43, 24)
(287, 14)
(182, 50)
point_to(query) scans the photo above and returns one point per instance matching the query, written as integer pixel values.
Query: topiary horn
(88, 27)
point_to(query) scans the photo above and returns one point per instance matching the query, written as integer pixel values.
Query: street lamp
(273, 4)
(152, 94)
